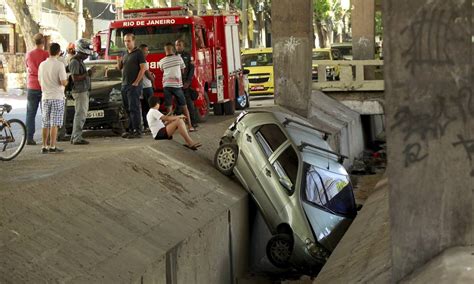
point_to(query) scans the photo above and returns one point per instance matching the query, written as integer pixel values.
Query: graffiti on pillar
(431, 33)
(363, 41)
(291, 44)
(413, 154)
(468, 145)
(419, 125)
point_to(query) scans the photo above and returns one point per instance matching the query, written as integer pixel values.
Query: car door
(252, 156)
(279, 176)
(271, 196)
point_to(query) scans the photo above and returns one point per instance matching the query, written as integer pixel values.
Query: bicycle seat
(6, 107)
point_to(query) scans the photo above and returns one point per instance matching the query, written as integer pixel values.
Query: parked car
(105, 102)
(259, 61)
(342, 51)
(298, 183)
(332, 72)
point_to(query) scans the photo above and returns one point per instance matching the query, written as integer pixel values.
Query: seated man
(164, 126)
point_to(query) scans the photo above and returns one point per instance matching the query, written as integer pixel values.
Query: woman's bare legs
(180, 126)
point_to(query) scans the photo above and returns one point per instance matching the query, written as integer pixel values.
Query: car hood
(100, 90)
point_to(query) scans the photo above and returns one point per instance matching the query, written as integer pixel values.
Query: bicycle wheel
(12, 139)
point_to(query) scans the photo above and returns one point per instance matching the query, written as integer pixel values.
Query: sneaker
(126, 134)
(31, 142)
(55, 150)
(80, 142)
(134, 135)
(44, 151)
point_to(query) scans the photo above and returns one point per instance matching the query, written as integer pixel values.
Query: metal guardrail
(352, 75)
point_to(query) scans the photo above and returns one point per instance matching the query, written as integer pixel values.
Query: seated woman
(164, 126)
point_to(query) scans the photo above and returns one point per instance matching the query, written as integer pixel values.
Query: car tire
(229, 108)
(279, 250)
(225, 158)
(243, 103)
(218, 109)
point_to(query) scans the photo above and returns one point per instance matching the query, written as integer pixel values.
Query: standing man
(171, 65)
(80, 90)
(52, 78)
(133, 66)
(188, 74)
(148, 83)
(32, 60)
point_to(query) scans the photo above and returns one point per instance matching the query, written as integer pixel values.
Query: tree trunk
(25, 22)
(321, 34)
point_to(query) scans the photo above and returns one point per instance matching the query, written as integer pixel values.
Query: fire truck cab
(212, 41)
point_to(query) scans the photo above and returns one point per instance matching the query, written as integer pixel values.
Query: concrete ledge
(454, 265)
(139, 214)
(363, 255)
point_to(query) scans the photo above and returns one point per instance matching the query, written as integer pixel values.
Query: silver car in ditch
(298, 183)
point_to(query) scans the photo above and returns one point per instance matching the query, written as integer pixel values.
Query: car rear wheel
(279, 249)
(226, 158)
(229, 108)
(242, 102)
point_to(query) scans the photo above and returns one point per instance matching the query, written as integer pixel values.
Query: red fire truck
(212, 41)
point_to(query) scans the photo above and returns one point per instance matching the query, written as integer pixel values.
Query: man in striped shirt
(172, 66)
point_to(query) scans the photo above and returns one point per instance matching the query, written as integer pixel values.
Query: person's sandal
(193, 147)
(192, 129)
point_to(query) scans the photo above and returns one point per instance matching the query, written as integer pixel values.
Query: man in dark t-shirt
(133, 66)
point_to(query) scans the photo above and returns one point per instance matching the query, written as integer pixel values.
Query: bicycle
(12, 135)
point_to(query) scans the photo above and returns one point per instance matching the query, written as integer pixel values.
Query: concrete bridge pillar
(363, 29)
(430, 129)
(292, 50)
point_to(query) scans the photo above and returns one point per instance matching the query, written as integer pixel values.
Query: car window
(105, 73)
(321, 55)
(328, 189)
(286, 165)
(270, 137)
(257, 59)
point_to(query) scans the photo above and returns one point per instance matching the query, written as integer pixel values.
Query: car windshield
(257, 59)
(106, 72)
(155, 37)
(321, 55)
(328, 189)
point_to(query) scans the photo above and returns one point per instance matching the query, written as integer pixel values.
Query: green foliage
(322, 9)
(137, 4)
(378, 24)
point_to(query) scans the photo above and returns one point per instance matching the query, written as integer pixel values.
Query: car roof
(257, 50)
(300, 134)
(321, 49)
(342, 44)
(100, 62)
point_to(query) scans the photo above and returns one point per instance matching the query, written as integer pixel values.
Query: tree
(25, 22)
(322, 10)
(138, 4)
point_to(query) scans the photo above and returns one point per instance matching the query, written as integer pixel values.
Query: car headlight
(316, 251)
(115, 96)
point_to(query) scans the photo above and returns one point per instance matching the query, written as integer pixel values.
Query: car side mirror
(286, 184)
(246, 71)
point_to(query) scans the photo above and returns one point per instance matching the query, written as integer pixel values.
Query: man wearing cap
(80, 90)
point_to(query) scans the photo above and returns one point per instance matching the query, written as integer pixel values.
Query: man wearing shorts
(52, 78)
(164, 126)
(172, 66)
